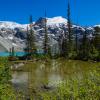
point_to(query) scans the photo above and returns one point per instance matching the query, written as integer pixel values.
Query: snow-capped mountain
(15, 33)
(56, 21)
(11, 25)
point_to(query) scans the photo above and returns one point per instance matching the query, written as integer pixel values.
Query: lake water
(38, 74)
(4, 54)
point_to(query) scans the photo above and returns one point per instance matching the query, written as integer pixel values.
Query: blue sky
(84, 12)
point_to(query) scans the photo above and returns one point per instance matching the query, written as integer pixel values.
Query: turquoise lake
(4, 54)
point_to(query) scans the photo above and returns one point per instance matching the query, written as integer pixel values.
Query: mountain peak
(56, 20)
(52, 21)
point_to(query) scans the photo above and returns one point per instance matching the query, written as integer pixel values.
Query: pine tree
(12, 52)
(76, 42)
(96, 41)
(85, 46)
(45, 44)
(70, 37)
(60, 44)
(69, 25)
(27, 49)
(64, 50)
(32, 38)
(67, 39)
(97, 38)
(31, 48)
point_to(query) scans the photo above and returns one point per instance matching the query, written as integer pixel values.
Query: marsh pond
(47, 75)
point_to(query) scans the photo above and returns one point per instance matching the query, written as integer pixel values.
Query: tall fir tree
(97, 38)
(96, 41)
(64, 46)
(70, 35)
(85, 46)
(31, 48)
(76, 42)
(27, 49)
(69, 23)
(45, 42)
(32, 38)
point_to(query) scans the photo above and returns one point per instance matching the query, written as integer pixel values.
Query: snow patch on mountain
(12, 25)
(97, 26)
(56, 20)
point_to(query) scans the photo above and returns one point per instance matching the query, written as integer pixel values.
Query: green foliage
(41, 56)
(87, 88)
(72, 55)
(5, 73)
(45, 42)
(96, 41)
(64, 50)
(31, 48)
(94, 54)
(6, 91)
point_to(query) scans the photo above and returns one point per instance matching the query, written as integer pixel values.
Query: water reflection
(49, 73)
(20, 81)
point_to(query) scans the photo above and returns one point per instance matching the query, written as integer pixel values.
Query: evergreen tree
(96, 41)
(60, 44)
(70, 35)
(76, 42)
(97, 38)
(45, 43)
(27, 49)
(66, 38)
(13, 51)
(69, 25)
(32, 38)
(84, 50)
(31, 48)
(64, 50)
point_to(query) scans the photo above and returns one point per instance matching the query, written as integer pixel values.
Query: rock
(46, 87)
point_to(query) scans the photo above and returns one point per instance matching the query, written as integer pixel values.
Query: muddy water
(47, 75)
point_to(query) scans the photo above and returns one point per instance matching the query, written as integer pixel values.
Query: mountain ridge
(16, 33)
(50, 21)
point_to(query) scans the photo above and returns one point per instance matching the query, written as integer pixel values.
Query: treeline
(70, 46)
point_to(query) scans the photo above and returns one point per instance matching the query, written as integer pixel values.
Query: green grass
(87, 88)
(6, 90)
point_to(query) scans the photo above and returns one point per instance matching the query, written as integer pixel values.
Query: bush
(87, 88)
(6, 91)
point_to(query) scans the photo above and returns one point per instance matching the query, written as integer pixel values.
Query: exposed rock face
(14, 35)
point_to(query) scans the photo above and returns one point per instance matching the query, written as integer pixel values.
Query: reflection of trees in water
(48, 74)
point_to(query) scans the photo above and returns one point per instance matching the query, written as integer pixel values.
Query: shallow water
(5, 54)
(36, 75)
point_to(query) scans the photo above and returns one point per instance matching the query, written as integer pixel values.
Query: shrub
(6, 91)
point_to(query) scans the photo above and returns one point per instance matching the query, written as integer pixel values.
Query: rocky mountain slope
(15, 34)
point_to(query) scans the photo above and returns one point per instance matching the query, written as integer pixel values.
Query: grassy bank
(87, 88)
